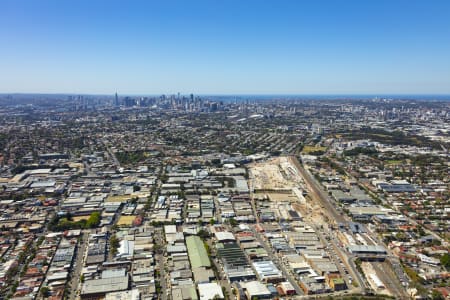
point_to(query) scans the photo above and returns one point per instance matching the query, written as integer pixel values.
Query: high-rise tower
(116, 101)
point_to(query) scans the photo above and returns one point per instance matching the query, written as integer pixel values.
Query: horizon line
(227, 94)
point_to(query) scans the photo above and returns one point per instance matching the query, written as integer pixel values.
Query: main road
(286, 273)
(111, 154)
(75, 281)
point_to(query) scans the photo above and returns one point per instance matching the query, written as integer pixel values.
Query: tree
(203, 234)
(45, 291)
(94, 220)
(114, 243)
(445, 261)
(158, 248)
(436, 295)
(233, 222)
(212, 221)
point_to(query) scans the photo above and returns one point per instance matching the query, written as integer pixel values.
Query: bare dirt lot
(276, 173)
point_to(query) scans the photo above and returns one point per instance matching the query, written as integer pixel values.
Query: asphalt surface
(112, 155)
(279, 264)
(272, 256)
(75, 283)
(161, 262)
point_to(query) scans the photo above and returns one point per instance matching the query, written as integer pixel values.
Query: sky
(225, 47)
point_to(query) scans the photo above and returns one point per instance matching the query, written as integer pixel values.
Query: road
(112, 155)
(387, 272)
(161, 262)
(269, 250)
(345, 259)
(277, 262)
(385, 269)
(220, 274)
(75, 283)
(336, 256)
(316, 193)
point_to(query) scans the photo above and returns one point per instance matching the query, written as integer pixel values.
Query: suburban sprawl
(180, 197)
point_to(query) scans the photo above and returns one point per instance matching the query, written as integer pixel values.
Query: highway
(337, 257)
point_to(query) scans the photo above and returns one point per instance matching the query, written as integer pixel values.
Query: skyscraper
(116, 101)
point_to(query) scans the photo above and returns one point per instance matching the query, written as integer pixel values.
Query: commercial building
(97, 288)
(197, 252)
(267, 271)
(209, 291)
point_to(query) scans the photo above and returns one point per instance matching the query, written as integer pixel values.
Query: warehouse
(255, 289)
(368, 251)
(197, 252)
(267, 271)
(99, 287)
(208, 291)
(235, 263)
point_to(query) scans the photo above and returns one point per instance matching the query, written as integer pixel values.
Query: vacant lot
(274, 174)
(311, 149)
(120, 198)
(126, 220)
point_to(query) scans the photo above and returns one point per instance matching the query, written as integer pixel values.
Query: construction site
(279, 180)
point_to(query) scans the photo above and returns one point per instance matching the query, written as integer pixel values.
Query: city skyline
(287, 48)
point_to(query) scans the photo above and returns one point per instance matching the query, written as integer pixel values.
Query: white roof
(208, 291)
(224, 235)
(229, 166)
(126, 248)
(243, 226)
(256, 288)
(170, 229)
(123, 295)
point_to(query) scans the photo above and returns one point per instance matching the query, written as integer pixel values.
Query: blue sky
(225, 47)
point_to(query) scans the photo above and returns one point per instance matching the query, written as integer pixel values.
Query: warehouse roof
(224, 236)
(104, 285)
(367, 249)
(256, 288)
(197, 252)
(209, 291)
